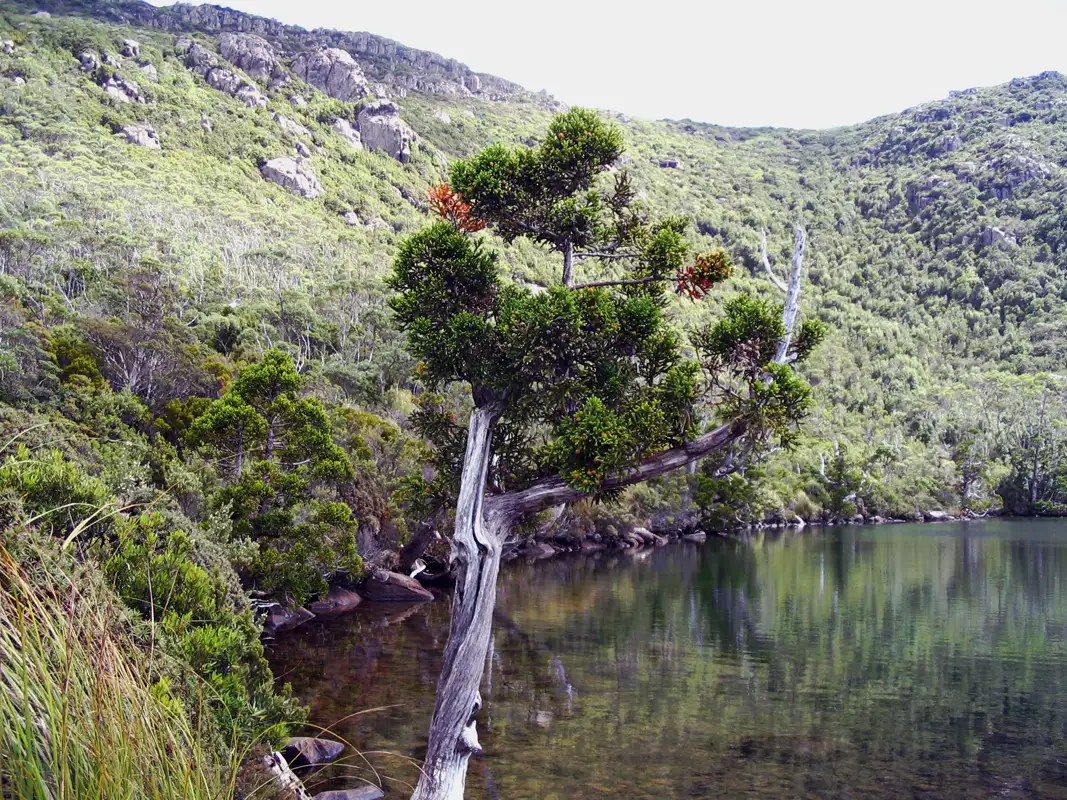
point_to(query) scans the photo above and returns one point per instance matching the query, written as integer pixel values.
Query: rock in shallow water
(337, 600)
(362, 793)
(392, 587)
(308, 751)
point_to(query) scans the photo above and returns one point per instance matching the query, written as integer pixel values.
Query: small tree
(578, 391)
(282, 466)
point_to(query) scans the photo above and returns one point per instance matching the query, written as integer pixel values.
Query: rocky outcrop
(383, 59)
(250, 53)
(295, 174)
(89, 61)
(141, 135)
(7, 47)
(205, 63)
(307, 751)
(991, 236)
(344, 129)
(123, 90)
(333, 71)
(392, 587)
(131, 48)
(443, 116)
(382, 130)
(291, 126)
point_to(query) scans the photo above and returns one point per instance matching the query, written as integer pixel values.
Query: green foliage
(280, 466)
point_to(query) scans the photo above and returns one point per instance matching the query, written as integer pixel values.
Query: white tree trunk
(476, 549)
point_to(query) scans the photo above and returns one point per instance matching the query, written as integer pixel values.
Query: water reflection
(926, 662)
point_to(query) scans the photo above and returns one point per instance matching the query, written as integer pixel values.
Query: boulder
(696, 536)
(473, 83)
(382, 130)
(250, 53)
(123, 90)
(669, 163)
(142, 135)
(645, 535)
(308, 751)
(936, 516)
(443, 116)
(7, 47)
(291, 126)
(204, 63)
(150, 71)
(539, 550)
(279, 618)
(336, 601)
(250, 95)
(295, 174)
(913, 516)
(392, 587)
(131, 48)
(631, 540)
(991, 236)
(362, 793)
(352, 218)
(344, 129)
(378, 224)
(333, 71)
(89, 60)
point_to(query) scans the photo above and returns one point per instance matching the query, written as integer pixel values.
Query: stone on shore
(336, 601)
(280, 618)
(392, 587)
(696, 536)
(362, 793)
(309, 751)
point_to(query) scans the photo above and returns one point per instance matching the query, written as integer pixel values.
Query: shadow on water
(902, 662)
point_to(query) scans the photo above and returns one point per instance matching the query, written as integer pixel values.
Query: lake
(902, 661)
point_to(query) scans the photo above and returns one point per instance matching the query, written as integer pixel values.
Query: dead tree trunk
(476, 548)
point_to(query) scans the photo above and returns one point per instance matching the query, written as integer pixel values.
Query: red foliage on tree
(707, 270)
(451, 207)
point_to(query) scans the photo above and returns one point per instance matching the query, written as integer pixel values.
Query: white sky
(816, 64)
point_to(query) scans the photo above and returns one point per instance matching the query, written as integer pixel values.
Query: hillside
(936, 235)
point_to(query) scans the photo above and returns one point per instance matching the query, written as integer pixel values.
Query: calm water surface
(894, 662)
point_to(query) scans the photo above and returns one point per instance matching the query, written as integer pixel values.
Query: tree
(282, 466)
(578, 391)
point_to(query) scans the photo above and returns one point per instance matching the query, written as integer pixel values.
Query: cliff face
(397, 68)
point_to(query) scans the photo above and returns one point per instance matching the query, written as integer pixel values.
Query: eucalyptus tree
(577, 391)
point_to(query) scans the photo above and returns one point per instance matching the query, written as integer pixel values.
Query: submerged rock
(295, 174)
(392, 587)
(696, 536)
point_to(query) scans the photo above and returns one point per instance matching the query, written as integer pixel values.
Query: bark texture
(476, 550)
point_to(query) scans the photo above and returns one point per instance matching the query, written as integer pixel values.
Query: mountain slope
(936, 235)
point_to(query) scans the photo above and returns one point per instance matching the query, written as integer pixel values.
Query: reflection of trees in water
(803, 664)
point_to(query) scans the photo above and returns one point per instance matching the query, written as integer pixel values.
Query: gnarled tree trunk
(476, 549)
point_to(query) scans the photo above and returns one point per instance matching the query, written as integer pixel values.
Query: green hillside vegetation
(201, 379)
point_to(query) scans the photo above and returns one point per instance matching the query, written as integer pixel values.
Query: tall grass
(79, 716)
